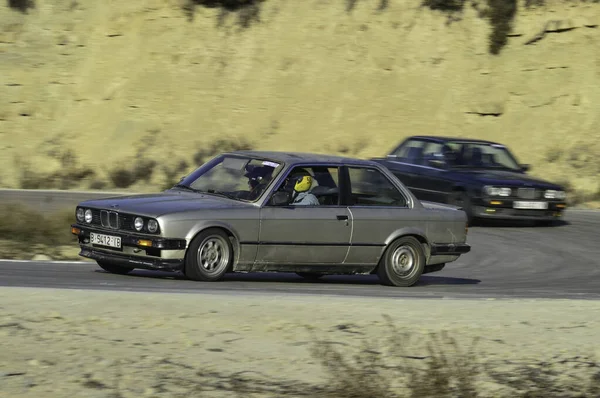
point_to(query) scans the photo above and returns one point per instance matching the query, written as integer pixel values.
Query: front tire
(402, 263)
(461, 199)
(113, 268)
(209, 256)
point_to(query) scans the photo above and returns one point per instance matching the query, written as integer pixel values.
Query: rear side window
(370, 187)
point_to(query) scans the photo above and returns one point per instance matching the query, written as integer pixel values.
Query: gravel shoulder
(58, 343)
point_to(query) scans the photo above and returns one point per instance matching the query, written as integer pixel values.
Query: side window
(321, 190)
(433, 152)
(370, 187)
(411, 152)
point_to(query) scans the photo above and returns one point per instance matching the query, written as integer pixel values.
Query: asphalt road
(506, 261)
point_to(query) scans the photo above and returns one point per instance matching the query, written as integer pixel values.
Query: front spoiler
(132, 261)
(504, 213)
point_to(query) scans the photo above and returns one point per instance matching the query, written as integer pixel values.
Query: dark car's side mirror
(280, 198)
(437, 163)
(525, 167)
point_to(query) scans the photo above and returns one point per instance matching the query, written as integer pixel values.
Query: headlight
(138, 223)
(88, 216)
(152, 226)
(552, 194)
(80, 214)
(495, 191)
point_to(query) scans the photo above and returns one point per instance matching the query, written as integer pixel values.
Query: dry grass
(19, 223)
(404, 365)
(25, 232)
(393, 368)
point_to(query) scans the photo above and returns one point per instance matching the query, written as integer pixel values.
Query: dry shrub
(23, 224)
(501, 15)
(69, 175)
(386, 369)
(247, 11)
(21, 5)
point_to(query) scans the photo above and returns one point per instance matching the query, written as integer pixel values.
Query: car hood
(509, 178)
(157, 204)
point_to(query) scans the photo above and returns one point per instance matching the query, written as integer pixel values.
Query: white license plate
(105, 240)
(531, 205)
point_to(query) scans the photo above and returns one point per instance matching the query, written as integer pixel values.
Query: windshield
(479, 155)
(234, 176)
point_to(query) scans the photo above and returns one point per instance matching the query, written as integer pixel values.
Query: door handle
(342, 217)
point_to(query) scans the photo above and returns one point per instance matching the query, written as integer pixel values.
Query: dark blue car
(482, 177)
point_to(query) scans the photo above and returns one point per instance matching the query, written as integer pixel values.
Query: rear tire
(402, 263)
(113, 268)
(209, 256)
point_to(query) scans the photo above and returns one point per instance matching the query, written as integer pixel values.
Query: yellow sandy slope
(106, 80)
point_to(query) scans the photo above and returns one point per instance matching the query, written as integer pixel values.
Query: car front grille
(528, 193)
(109, 219)
(113, 220)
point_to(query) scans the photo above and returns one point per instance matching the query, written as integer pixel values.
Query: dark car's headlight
(83, 214)
(554, 194)
(497, 191)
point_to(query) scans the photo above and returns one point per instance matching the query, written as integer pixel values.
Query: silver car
(259, 211)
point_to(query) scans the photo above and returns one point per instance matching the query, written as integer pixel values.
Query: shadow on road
(281, 277)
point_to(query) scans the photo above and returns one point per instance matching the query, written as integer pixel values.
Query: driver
(302, 181)
(258, 178)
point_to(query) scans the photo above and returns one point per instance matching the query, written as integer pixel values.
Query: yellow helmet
(303, 183)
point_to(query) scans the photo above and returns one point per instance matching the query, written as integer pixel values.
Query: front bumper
(136, 251)
(504, 209)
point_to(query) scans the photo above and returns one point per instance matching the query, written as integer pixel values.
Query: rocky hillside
(105, 94)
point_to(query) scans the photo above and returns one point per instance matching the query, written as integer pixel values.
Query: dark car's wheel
(461, 199)
(209, 256)
(403, 262)
(113, 268)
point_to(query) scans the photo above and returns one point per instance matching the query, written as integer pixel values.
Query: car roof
(446, 138)
(303, 157)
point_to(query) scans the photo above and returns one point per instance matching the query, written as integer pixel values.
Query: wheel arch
(233, 236)
(403, 232)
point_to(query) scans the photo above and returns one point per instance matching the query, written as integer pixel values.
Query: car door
(405, 163)
(299, 234)
(433, 182)
(374, 203)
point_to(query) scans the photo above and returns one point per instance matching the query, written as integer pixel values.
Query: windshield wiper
(219, 193)
(185, 187)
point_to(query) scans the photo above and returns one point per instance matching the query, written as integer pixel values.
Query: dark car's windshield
(233, 176)
(479, 155)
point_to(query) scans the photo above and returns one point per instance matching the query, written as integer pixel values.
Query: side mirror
(525, 167)
(437, 163)
(280, 198)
